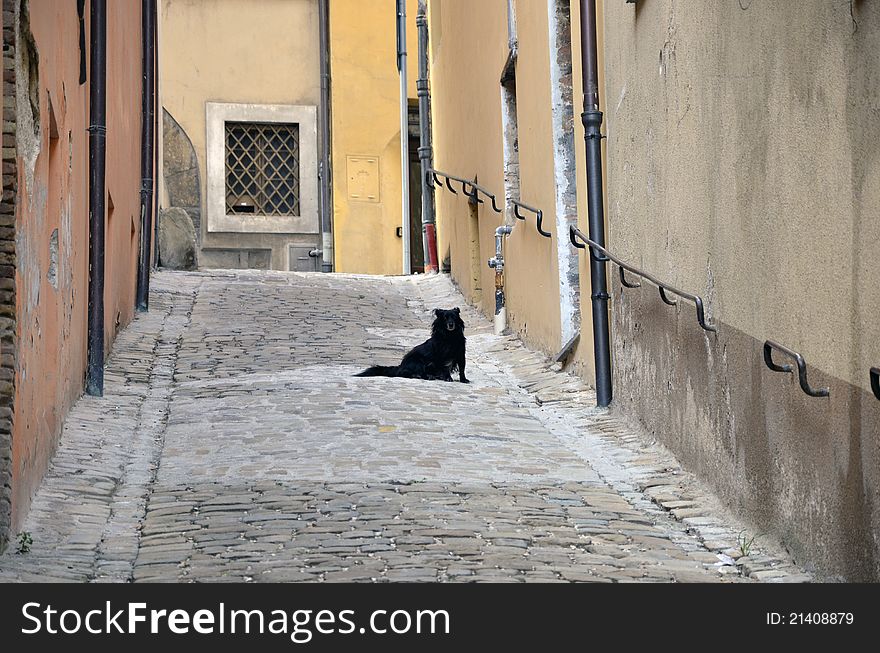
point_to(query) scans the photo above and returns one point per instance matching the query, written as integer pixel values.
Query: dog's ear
(457, 310)
(436, 311)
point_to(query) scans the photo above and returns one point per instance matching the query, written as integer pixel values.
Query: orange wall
(123, 164)
(53, 195)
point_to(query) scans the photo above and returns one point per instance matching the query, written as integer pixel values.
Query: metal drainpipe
(511, 25)
(592, 120)
(148, 116)
(429, 225)
(157, 134)
(324, 169)
(497, 262)
(97, 159)
(404, 134)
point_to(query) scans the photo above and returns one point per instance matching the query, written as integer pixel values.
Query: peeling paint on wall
(564, 169)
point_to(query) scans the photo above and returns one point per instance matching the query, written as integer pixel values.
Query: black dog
(437, 357)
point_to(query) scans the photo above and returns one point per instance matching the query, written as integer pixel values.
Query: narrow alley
(234, 444)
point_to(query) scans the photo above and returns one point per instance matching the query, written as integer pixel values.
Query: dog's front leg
(461, 376)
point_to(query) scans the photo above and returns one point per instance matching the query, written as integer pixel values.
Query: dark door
(416, 244)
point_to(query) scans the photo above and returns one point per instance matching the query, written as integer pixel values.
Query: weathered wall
(744, 154)
(51, 237)
(7, 272)
(123, 180)
(365, 116)
(469, 51)
(259, 52)
(51, 218)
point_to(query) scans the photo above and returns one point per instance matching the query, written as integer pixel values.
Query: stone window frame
(306, 116)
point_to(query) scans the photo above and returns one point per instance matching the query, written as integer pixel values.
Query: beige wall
(51, 222)
(212, 51)
(365, 104)
(744, 166)
(469, 51)
(466, 111)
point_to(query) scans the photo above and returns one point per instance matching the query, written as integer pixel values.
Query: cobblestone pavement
(234, 444)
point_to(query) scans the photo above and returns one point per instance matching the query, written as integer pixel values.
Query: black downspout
(592, 120)
(97, 154)
(148, 116)
(429, 224)
(157, 134)
(324, 169)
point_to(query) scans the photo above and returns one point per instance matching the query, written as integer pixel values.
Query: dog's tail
(380, 370)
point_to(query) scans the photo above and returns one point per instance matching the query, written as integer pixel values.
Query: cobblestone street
(234, 444)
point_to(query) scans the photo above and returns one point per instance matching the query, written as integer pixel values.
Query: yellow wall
(212, 52)
(365, 105)
(532, 276)
(469, 50)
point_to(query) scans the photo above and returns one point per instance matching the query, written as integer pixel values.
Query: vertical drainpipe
(148, 116)
(429, 225)
(324, 168)
(157, 133)
(404, 133)
(497, 262)
(592, 120)
(97, 155)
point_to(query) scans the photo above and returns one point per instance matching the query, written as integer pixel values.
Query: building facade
(505, 92)
(741, 167)
(44, 222)
(744, 166)
(241, 92)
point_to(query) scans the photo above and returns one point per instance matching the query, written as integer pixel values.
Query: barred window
(262, 168)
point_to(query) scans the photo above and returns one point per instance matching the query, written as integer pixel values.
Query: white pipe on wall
(404, 135)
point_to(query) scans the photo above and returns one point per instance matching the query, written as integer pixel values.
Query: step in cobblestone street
(234, 444)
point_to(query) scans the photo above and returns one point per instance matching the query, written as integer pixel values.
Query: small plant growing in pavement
(24, 542)
(745, 542)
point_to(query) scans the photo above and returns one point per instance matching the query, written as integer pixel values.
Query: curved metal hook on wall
(666, 300)
(546, 234)
(623, 280)
(538, 213)
(479, 189)
(475, 195)
(470, 188)
(875, 381)
(770, 345)
(602, 254)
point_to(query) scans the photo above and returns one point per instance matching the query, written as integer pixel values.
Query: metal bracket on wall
(875, 381)
(770, 345)
(473, 191)
(433, 178)
(602, 254)
(623, 280)
(538, 213)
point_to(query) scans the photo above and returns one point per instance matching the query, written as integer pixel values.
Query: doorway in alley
(417, 245)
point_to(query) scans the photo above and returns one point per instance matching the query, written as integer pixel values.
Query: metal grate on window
(262, 168)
